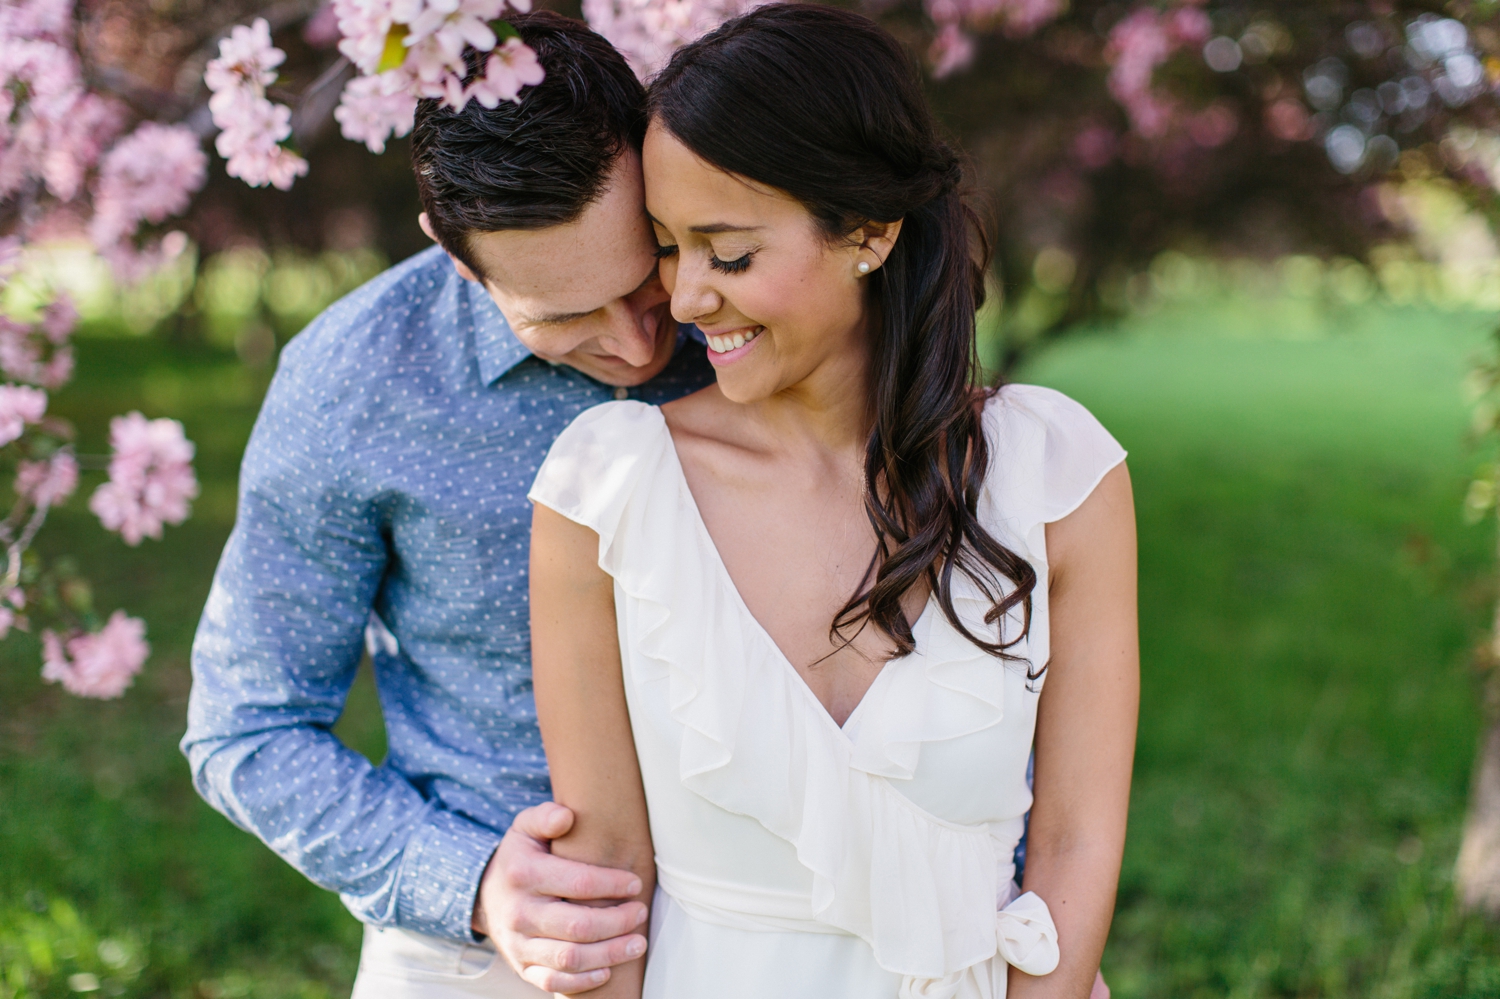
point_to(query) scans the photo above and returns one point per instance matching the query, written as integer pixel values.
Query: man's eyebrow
(553, 319)
(558, 318)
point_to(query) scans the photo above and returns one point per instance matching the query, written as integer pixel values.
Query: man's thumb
(547, 821)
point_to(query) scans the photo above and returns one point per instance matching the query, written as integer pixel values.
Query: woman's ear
(876, 241)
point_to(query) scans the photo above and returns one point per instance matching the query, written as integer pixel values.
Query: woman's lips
(726, 348)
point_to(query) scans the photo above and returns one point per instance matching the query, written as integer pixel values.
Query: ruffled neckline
(919, 889)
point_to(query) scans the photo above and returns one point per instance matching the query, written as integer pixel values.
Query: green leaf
(504, 31)
(395, 49)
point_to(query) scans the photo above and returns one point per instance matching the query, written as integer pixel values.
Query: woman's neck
(829, 410)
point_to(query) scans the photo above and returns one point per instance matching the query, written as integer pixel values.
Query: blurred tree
(1102, 132)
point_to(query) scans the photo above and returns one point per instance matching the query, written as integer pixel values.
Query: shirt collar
(494, 342)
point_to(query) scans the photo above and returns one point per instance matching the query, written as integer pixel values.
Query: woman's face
(776, 299)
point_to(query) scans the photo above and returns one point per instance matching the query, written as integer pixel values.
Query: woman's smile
(726, 348)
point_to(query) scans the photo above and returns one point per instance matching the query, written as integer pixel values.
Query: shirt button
(622, 393)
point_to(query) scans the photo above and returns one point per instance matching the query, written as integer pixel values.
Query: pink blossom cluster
(953, 47)
(39, 352)
(409, 49)
(55, 132)
(647, 32)
(1139, 43)
(253, 127)
(52, 129)
(147, 176)
(11, 606)
(19, 405)
(48, 482)
(151, 479)
(101, 665)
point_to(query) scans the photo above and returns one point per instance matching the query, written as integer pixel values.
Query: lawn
(1310, 597)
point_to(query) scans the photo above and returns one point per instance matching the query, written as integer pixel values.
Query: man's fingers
(571, 923)
(580, 959)
(546, 821)
(554, 876)
(559, 982)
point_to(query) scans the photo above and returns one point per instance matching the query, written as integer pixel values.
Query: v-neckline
(727, 581)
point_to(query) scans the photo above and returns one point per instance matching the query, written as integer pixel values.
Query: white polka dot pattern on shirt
(388, 473)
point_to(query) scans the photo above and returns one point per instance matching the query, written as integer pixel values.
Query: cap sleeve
(595, 464)
(1048, 454)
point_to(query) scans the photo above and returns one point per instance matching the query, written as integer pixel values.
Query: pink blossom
(19, 405)
(100, 665)
(253, 127)
(47, 483)
(1189, 26)
(510, 67)
(374, 107)
(250, 142)
(1137, 45)
(245, 57)
(647, 32)
(23, 347)
(58, 319)
(148, 176)
(365, 25)
(74, 141)
(37, 19)
(952, 50)
(151, 478)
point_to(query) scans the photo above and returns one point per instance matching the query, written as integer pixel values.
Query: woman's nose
(693, 296)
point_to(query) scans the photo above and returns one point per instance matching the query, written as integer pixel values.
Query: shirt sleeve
(274, 657)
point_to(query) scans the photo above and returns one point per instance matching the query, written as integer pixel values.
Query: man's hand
(556, 945)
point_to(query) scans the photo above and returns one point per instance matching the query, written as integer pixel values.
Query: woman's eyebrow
(712, 228)
(719, 227)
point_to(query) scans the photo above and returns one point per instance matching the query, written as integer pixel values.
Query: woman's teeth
(730, 341)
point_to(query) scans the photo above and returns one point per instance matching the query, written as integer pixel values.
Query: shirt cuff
(440, 875)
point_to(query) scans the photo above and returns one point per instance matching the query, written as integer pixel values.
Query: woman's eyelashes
(734, 266)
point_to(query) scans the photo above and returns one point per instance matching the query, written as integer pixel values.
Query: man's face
(585, 294)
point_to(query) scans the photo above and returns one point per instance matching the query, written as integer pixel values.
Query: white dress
(796, 858)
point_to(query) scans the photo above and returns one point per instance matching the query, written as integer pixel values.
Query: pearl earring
(863, 267)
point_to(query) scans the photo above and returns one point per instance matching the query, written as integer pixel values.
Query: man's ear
(877, 240)
(464, 270)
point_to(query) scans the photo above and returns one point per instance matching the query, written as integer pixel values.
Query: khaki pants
(399, 964)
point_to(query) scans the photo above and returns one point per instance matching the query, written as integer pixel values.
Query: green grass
(1310, 597)
(1309, 600)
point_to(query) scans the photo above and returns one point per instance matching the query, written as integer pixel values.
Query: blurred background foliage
(1279, 341)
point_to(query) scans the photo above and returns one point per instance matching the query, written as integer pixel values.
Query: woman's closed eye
(734, 266)
(663, 252)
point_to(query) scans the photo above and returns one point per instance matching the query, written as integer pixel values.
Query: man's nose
(632, 332)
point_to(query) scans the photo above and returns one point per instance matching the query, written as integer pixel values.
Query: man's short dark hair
(538, 163)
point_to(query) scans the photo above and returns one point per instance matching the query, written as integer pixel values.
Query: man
(383, 494)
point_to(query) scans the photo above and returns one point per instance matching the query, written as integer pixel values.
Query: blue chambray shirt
(388, 473)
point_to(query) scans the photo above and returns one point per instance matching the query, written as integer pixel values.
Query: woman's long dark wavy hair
(823, 104)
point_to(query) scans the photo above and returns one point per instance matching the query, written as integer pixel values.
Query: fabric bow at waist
(1025, 937)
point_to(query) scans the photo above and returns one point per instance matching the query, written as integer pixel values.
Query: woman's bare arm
(1085, 734)
(580, 704)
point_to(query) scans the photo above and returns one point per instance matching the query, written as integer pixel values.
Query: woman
(841, 579)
